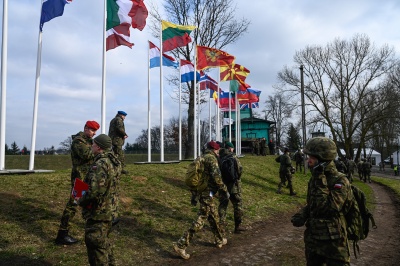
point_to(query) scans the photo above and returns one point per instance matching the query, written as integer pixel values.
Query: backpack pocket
(323, 229)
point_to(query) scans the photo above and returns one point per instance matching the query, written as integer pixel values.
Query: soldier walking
(285, 172)
(118, 135)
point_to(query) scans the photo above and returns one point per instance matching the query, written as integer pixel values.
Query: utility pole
(303, 114)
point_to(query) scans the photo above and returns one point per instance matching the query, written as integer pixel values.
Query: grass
(155, 206)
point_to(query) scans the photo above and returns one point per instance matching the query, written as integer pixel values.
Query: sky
(71, 63)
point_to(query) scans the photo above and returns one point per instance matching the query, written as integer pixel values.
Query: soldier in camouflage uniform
(118, 135)
(82, 158)
(366, 170)
(97, 203)
(208, 211)
(329, 197)
(284, 172)
(235, 192)
(351, 166)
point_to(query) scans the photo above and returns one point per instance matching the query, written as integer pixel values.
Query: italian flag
(121, 15)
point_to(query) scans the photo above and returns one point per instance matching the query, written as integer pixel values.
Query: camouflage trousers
(115, 204)
(69, 210)
(119, 153)
(237, 203)
(207, 211)
(284, 176)
(98, 245)
(367, 176)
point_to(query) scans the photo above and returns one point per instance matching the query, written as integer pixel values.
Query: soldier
(257, 147)
(359, 168)
(233, 183)
(96, 203)
(118, 135)
(366, 169)
(329, 197)
(208, 210)
(271, 147)
(82, 158)
(340, 165)
(263, 147)
(285, 172)
(351, 165)
(299, 159)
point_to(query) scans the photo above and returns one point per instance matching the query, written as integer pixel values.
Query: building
(252, 128)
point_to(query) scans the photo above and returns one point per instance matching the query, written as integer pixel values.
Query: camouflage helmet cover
(322, 148)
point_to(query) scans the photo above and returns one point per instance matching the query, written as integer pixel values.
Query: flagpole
(35, 102)
(3, 85)
(148, 109)
(218, 127)
(103, 80)
(209, 117)
(230, 115)
(199, 121)
(194, 105)
(180, 111)
(161, 101)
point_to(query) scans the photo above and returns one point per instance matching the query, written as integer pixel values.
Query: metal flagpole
(180, 111)
(103, 84)
(161, 101)
(3, 85)
(148, 109)
(194, 105)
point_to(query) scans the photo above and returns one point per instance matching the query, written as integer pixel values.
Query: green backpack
(194, 177)
(358, 219)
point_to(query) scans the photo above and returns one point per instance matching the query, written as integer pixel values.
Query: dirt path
(277, 242)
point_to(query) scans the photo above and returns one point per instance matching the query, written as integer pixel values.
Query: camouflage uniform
(263, 147)
(208, 210)
(329, 197)
(366, 170)
(96, 206)
(359, 169)
(299, 158)
(235, 191)
(117, 134)
(82, 158)
(284, 173)
(351, 165)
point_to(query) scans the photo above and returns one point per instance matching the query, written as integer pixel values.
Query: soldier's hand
(298, 220)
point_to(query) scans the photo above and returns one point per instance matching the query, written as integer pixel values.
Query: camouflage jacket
(117, 131)
(213, 174)
(286, 163)
(366, 167)
(81, 154)
(329, 197)
(103, 173)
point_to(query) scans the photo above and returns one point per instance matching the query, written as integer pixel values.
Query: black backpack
(229, 169)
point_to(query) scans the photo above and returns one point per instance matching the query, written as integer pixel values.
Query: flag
(52, 9)
(206, 82)
(155, 58)
(227, 121)
(121, 15)
(248, 96)
(174, 36)
(249, 105)
(187, 71)
(224, 99)
(211, 57)
(234, 72)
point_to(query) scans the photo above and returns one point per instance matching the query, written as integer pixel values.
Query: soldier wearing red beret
(82, 157)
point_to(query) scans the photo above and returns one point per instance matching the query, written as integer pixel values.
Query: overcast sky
(71, 73)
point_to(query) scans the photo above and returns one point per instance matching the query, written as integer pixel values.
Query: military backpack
(358, 219)
(229, 168)
(194, 177)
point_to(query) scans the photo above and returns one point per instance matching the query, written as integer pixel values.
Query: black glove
(298, 220)
(193, 200)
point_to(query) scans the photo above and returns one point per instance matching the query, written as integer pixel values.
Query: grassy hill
(155, 209)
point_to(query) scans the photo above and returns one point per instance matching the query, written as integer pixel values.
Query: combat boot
(64, 239)
(239, 229)
(223, 243)
(181, 252)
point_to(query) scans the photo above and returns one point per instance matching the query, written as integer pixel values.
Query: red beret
(213, 145)
(92, 124)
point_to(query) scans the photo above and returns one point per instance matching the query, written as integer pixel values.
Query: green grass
(155, 206)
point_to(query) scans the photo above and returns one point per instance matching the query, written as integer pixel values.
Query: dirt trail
(277, 242)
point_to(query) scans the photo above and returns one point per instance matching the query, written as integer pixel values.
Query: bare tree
(217, 27)
(278, 109)
(66, 144)
(343, 87)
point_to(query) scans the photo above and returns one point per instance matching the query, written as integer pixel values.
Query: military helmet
(322, 148)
